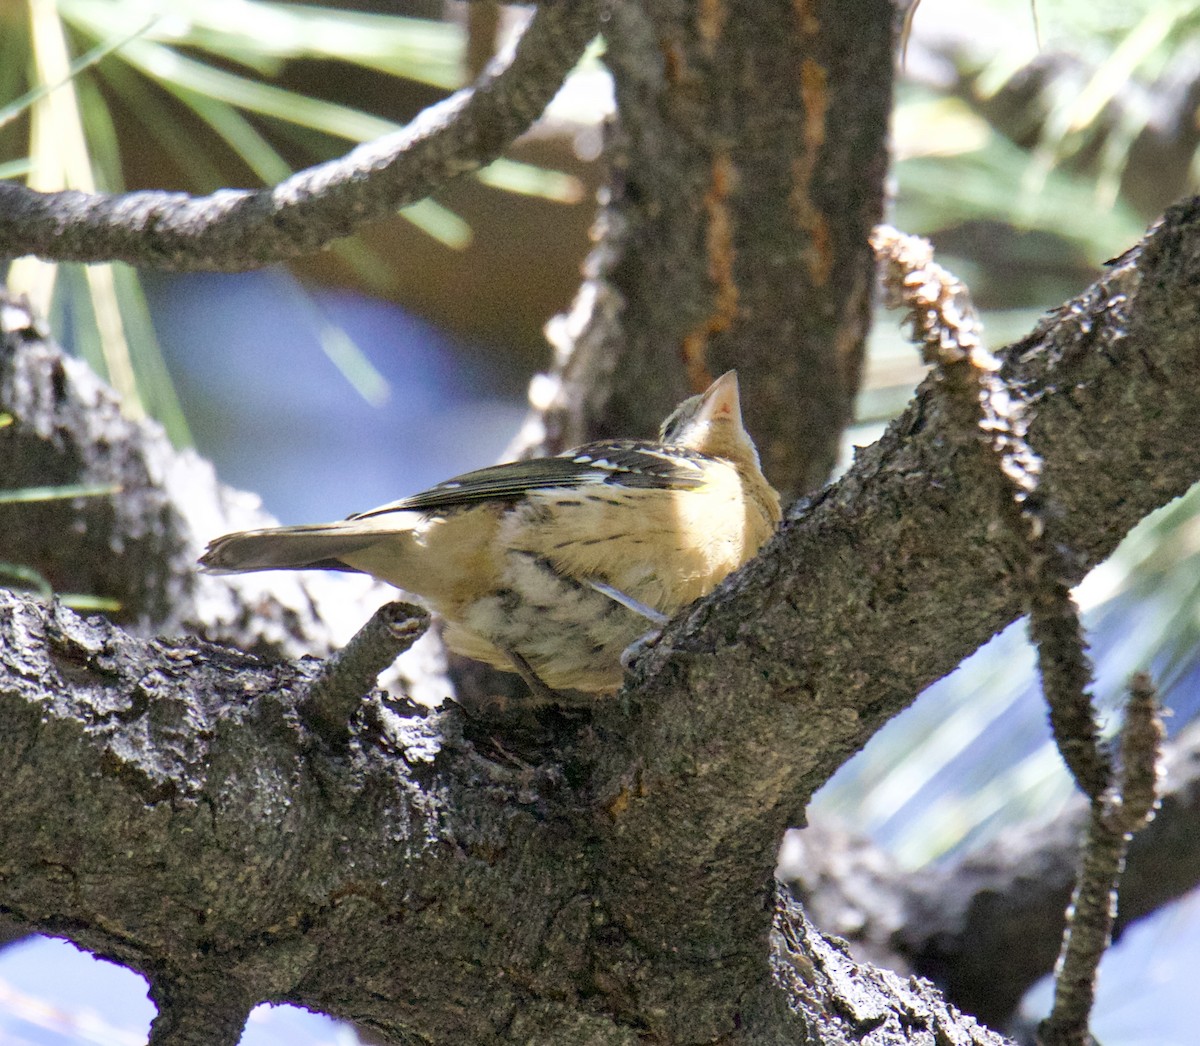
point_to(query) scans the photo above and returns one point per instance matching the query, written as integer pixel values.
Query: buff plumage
(554, 566)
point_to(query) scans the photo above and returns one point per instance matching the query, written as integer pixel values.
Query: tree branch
(952, 921)
(850, 1003)
(166, 808)
(991, 416)
(202, 828)
(139, 547)
(239, 229)
(886, 580)
(621, 865)
(200, 1011)
(350, 674)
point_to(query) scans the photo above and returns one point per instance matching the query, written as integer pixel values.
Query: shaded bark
(168, 810)
(746, 174)
(843, 1001)
(884, 581)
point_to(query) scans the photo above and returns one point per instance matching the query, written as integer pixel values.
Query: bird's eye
(677, 420)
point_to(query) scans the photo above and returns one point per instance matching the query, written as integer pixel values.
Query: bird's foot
(638, 647)
(541, 693)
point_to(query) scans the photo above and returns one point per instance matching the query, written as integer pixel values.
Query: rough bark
(139, 546)
(887, 579)
(602, 876)
(843, 1001)
(746, 174)
(168, 809)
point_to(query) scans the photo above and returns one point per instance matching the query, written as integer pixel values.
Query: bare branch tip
(1121, 811)
(1142, 740)
(940, 314)
(349, 675)
(985, 410)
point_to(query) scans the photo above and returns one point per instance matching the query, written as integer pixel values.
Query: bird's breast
(661, 548)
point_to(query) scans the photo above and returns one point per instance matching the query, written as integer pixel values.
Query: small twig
(1124, 809)
(350, 674)
(1057, 632)
(238, 229)
(984, 408)
(1141, 755)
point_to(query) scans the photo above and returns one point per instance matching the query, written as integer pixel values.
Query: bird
(552, 567)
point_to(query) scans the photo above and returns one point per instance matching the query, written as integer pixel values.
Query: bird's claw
(638, 647)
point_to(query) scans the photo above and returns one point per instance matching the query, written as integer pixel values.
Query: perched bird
(552, 567)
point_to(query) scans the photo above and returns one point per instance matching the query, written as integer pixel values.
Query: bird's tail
(321, 546)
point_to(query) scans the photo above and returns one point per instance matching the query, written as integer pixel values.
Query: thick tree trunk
(747, 171)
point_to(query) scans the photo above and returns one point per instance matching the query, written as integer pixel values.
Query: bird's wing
(620, 463)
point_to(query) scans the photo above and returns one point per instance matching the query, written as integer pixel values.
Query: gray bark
(167, 808)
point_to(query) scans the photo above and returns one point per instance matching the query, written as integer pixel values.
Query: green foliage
(24, 495)
(954, 167)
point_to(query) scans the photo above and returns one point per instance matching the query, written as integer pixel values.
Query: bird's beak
(721, 400)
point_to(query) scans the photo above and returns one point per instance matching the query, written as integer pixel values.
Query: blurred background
(1032, 143)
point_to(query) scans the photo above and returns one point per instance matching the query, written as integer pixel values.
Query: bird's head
(711, 423)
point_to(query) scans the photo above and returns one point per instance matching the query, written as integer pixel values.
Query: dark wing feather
(623, 463)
